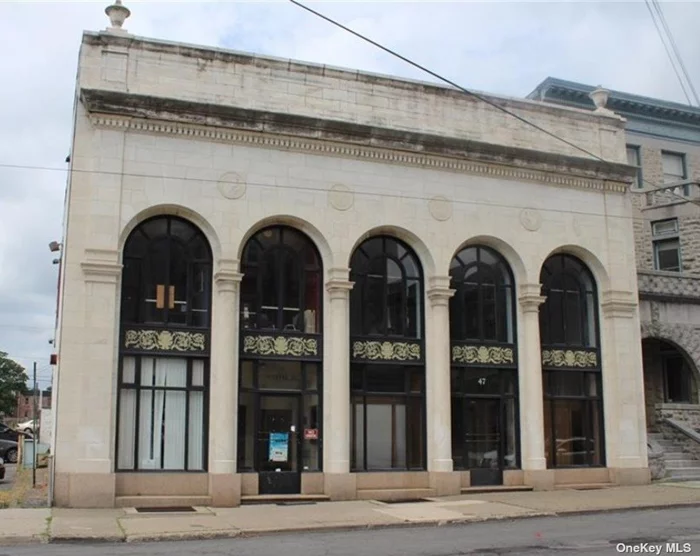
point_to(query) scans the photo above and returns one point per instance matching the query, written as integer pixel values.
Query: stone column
(437, 388)
(623, 389)
(224, 484)
(339, 484)
(84, 445)
(530, 387)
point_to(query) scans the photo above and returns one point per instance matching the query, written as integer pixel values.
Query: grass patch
(21, 489)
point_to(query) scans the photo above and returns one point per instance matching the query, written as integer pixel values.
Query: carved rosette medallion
(569, 358)
(386, 351)
(341, 197)
(530, 219)
(292, 346)
(440, 208)
(232, 185)
(165, 340)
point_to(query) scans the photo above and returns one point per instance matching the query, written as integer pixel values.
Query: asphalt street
(6, 484)
(598, 534)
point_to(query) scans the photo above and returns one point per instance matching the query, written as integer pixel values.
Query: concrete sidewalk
(127, 525)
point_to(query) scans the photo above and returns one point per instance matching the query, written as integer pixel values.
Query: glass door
(483, 441)
(279, 443)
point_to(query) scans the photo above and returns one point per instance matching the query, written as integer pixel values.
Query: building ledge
(590, 173)
(668, 286)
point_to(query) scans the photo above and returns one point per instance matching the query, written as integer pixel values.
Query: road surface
(598, 534)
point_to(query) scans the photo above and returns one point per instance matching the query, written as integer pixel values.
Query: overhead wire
(676, 50)
(668, 51)
(477, 95)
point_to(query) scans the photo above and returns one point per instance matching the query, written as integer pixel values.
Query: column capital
(102, 266)
(530, 297)
(227, 278)
(338, 284)
(439, 291)
(618, 304)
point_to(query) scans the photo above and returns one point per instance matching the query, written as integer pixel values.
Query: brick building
(25, 405)
(663, 142)
(281, 278)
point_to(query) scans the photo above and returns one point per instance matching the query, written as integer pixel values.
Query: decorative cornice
(530, 297)
(101, 266)
(391, 150)
(669, 287)
(618, 304)
(338, 285)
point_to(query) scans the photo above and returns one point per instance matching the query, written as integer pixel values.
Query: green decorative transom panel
(165, 340)
(569, 358)
(290, 346)
(386, 351)
(483, 355)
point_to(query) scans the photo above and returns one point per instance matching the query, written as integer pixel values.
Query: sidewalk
(19, 526)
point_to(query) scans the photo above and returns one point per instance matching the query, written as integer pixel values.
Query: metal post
(34, 429)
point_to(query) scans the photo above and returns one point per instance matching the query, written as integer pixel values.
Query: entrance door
(279, 444)
(483, 441)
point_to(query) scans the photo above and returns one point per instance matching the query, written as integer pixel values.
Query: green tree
(13, 381)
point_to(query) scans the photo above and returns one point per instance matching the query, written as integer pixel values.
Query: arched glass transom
(387, 298)
(568, 316)
(482, 308)
(281, 288)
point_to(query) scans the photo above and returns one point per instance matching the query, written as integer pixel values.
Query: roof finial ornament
(117, 15)
(600, 96)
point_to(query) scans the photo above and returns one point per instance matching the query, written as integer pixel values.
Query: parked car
(2, 469)
(7, 433)
(28, 426)
(8, 450)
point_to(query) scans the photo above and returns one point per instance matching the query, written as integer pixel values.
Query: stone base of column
(225, 490)
(340, 486)
(534, 464)
(441, 465)
(630, 477)
(84, 490)
(540, 479)
(446, 483)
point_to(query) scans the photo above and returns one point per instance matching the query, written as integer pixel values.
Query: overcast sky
(499, 47)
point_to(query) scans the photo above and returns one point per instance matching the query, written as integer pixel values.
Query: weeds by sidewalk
(22, 495)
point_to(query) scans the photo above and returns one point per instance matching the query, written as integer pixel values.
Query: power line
(668, 51)
(675, 48)
(327, 189)
(473, 94)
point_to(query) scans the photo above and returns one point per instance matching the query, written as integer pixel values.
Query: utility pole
(36, 436)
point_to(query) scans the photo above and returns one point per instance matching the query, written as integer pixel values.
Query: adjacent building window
(667, 248)
(634, 158)
(573, 409)
(387, 371)
(674, 169)
(164, 363)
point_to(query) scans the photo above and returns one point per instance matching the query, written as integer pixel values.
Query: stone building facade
(663, 141)
(282, 278)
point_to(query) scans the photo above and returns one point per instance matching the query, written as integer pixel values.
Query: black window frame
(660, 239)
(684, 165)
(360, 280)
(572, 267)
(165, 324)
(366, 394)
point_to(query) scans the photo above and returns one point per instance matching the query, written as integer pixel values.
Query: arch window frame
(164, 367)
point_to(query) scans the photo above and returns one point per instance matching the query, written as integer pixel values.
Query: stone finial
(117, 15)
(600, 96)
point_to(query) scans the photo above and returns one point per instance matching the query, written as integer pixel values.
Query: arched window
(164, 347)
(386, 299)
(484, 381)
(387, 373)
(482, 308)
(281, 288)
(573, 409)
(279, 403)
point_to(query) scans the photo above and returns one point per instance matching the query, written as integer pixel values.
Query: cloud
(501, 47)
